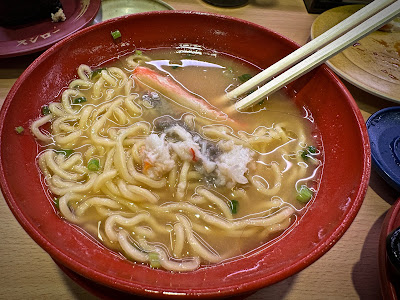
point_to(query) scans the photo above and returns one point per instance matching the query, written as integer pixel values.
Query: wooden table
(348, 271)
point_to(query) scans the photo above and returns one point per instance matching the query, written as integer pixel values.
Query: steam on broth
(175, 182)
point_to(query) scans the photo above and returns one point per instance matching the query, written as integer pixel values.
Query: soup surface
(147, 155)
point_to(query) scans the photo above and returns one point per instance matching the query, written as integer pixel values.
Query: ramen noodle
(140, 154)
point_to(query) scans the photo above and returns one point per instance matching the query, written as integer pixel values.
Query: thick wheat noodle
(100, 123)
(145, 193)
(84, 115)
(57, 109)
(97, 201)
(140, 177)
(108, 78)
(119, 155)
(70, 163)
(135, 152)
(277, 227)
(197, 199)
(118, 198)
(58, 123)
(130, 84)
(58, 128)
(177, 265)
(106, 212)
(220, 203)
(57, 181)
(112, 188)
(195, 244)
(123, 189)
(194, 175)
(129, 249)
(103, 178)
(117, 72)
(132, 106)
(245, 232)
(234, 224)
(35, 128)
(51, 164)
(80, 83)
(66, 127)
(120, 116)
(134, 60)
(172, 176)
(272, 189)
(69, 139)
(77, 188)
(64, 208)
(84, 72)
(179, 239)
(66, 100)
(97, 89)
(109, 225)
(90, 152)
(213, 133)
(182, 182)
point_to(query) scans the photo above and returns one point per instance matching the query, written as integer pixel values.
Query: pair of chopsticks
(346, 33)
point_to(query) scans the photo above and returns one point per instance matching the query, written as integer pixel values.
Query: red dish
(37, 36)
(387, 273)
(344, 182)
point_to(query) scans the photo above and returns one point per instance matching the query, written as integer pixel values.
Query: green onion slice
(56, 202)
(304, 194)
(93, 164)
(116, 34)
(96, 73)
(233, 205)
(19, 129)
(244, 77)
(154, 260)
(45, 110)
(66, 152)
(79, 100)
(307, 151)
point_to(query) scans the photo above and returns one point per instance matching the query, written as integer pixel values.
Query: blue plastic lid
(384, 134)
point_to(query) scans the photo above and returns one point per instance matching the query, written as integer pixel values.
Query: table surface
(348, 271)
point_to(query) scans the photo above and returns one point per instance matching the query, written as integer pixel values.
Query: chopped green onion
(96, 73)
(244, 77)
(233, 205)
(307, 151)
(94, 164)
(19, 129)
(115, 34)
(79, 100)
(138, 52)
(45, 110)
(66, 152)
(312, 149)
(305, 194)
(56, 202)
(154, 260)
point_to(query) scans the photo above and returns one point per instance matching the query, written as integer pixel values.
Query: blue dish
(384, 134)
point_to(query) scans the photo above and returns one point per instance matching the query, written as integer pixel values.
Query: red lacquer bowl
(389, 276)
(345, 174)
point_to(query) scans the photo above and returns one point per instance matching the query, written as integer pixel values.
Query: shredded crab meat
(162, 151)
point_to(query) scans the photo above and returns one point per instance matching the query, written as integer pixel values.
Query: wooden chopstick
(379, 17)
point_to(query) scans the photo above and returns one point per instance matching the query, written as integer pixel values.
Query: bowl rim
(123, 285)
